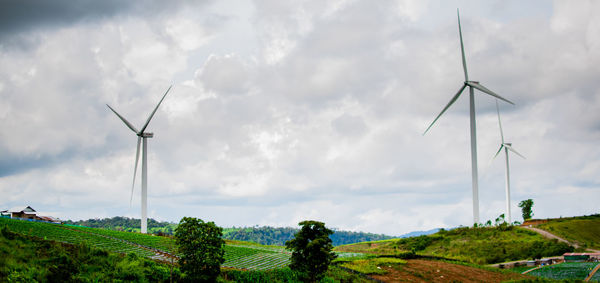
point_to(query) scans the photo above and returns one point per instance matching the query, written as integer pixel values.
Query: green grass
(481, 245)
(241, 255)
(584, 230)
(567, 270)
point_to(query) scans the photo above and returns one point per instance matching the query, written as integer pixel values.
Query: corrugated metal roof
(22, 209)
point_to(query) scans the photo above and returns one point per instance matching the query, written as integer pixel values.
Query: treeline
(262, 235)
(278, 236)
(120, 223)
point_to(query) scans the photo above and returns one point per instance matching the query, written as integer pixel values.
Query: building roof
(576, 254)
(22, 209)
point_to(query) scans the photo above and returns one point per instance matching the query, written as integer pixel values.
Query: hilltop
(481, 245)
(582, 231)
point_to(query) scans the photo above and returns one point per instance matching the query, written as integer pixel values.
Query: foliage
(526, 206)
(373, 265)
(120, 223)
(201, 248)
(278, 236)
(584, 230)
(28, 259)
(312, 250)
(481, 245)
(567, 270)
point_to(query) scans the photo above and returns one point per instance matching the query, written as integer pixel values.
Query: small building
(22, 212)
(28, 213)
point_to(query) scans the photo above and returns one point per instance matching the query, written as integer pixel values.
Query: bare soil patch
(420, 270)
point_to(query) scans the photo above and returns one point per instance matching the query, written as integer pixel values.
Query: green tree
(311, 250)
(201, 248)
(526, 206)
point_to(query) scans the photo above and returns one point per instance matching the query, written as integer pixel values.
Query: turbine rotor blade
(499, 150)
(499, 122)
(462, 47)
(129, 125)
(154, 111)
(137, 158)
(454, 98)
(513, 150)
(484, 89)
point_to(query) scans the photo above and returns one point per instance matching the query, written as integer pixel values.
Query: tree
(201, 248)
(525, 206)
(311, 250)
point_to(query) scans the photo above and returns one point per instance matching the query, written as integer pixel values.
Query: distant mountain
(263, 235)
(420, 233)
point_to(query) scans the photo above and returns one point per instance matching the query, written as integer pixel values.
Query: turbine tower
(472, 85)
(142, 136)
(507, 146)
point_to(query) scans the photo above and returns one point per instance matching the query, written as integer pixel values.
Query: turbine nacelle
(146, 135)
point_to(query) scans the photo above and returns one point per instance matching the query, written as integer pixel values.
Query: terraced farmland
(567, 270)
(237, 255)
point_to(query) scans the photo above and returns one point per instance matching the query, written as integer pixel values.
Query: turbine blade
(454, 98)
(137, 158)
(462, 47)
(154, 111)
(499, 150)
(129, 125)
(513, 150)
(484, 89)
(499, 122)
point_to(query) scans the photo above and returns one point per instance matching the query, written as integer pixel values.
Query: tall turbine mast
(142, 136)
(507, 146)
(472, 85)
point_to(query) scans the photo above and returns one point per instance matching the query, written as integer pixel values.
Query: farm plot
(56, 232)
(567, 270)
(156, 242)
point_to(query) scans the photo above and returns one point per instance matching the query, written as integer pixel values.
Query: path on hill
(552, 236)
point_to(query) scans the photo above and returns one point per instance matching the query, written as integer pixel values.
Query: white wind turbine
(142, 136)
(507, 146)
(472, 85)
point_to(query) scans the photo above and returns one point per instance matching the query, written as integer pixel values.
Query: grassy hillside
(481, 245)
(29, 259)
(583, 230)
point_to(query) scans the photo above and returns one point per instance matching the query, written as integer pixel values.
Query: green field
(483, 245)
(567, 270)
(583, 230)
(238, 255)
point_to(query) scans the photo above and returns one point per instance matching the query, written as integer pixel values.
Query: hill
(481, 245)
(584, 231)
(278, 236)
(262, 235)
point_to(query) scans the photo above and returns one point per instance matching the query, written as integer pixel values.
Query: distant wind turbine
(507, 146)
(142, 136)
(472, 85)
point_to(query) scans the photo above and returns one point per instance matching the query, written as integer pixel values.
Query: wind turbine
(142, 136)
(507, 146)
(472, 85)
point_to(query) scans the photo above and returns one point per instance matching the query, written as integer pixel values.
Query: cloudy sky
(282, 111)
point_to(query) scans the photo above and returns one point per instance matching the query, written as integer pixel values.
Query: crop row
(569, 270)
(260, 261)
(59, 233)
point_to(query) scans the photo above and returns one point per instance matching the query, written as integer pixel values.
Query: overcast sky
(283, 111)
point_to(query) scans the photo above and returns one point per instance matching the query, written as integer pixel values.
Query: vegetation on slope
(120, 223)
(482, 245)
(278, 236)
(583, 230)
(28, 259)
(262, 235)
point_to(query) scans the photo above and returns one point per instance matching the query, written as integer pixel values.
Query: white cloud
(282, 112)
